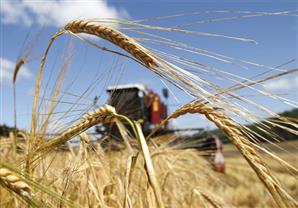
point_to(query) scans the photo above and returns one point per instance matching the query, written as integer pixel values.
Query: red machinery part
(156, 110)
(156, 107)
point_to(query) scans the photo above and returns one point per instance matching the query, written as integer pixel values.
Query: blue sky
(276, 37)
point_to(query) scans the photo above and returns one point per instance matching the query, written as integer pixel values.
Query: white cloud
(7, 69)
(14, 12)
(282, 84)
(55, 13)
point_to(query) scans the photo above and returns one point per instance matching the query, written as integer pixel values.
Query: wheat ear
(232, 130)
(114, 36)
(12, 182)
(101, 115)
(18, 65)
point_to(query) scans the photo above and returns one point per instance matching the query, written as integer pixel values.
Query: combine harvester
(141, 104)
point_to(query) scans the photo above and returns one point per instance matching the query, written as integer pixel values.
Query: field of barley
(248, 190)
(39, 169)
(90, 177)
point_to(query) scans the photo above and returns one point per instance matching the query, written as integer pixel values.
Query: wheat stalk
(232, 130)
(215, 201)
(36, 91)
(18, 65)
(124, 134)
(129, 168)
(149, 167)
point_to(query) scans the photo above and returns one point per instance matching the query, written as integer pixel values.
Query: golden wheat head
(114, 36)
(14, 183)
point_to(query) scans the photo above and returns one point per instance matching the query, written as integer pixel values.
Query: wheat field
(86, 178)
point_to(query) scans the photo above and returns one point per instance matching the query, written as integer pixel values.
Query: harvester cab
(138, 103)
